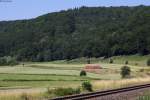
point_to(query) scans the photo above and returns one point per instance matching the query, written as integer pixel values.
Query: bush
(4, 61)
(12, 63)
(83, 73)
(136, 64)
(148, 62)
(87, 86)
(24, 97)
(141, 70)
(126, 62)
(89, 61)
(111, 61)
(65, 91)
(125, 71)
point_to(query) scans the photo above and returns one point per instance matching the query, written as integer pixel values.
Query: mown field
(43, 75)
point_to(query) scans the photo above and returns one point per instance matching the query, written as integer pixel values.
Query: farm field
(43, 75)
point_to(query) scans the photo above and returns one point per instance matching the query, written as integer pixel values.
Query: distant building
(92, 66)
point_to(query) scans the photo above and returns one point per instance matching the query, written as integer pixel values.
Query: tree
(87, 51)
(125, 71)
(8, 61)
(148, 62)
(126, 62)
(83, 73)
(83, 32)
(87, 86)
(3, 62)
(88, 61)
(111, 61)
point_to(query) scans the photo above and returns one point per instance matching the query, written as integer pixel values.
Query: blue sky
(26, 9)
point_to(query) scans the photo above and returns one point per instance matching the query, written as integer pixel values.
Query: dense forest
(78, 32)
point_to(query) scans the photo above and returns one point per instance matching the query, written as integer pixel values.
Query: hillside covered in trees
(79, 32)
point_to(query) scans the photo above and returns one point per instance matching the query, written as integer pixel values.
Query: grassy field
(42, 75)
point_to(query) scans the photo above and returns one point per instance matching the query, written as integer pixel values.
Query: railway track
(101, 93)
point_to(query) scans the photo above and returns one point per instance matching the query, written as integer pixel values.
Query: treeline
(79, 32)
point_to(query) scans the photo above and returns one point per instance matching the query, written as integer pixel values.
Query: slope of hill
(85, 31)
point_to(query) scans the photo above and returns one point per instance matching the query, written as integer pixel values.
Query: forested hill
(85, 31)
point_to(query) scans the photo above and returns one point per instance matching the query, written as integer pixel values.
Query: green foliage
(125, 71)
(24, 97)
(85, 31)
(87, 86)
(12, 63)
(148, 62)
(88, 61)
(111, 61)
(64, 91)
(136, 64)
(141, 70)
(83, 73)
(4, 61)
(126, 62)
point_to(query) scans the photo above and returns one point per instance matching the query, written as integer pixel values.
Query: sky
(26, 9)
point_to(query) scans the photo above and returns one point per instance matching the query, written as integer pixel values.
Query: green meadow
(53, 74)
(43, 75)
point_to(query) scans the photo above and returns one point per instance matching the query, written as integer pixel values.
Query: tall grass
(112, 84)
(97, 86)
(22, 96)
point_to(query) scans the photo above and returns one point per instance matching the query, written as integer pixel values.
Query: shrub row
(4, 61)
